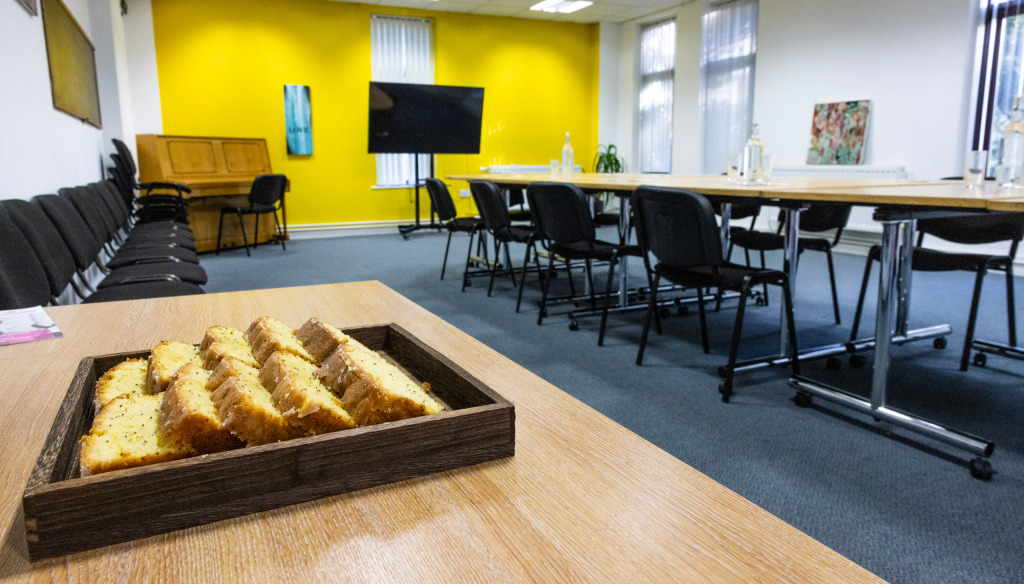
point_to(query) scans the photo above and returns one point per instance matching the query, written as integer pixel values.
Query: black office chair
(565, 228)
(817, 218)
(498, 222)
(678, 228)
(972, 229)
(441, 199)
(266, 196)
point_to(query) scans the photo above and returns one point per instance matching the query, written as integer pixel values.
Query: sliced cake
(268, 335)
(125, 434)
(189, 416)
(300, 396)
(319, 338)
(165, 359)
(245, 407)
(127, 377)
(222, 341)
(374, 390)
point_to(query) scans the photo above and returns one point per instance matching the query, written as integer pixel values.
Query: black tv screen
(425, 119)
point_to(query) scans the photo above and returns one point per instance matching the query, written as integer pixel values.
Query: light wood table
(583, 499)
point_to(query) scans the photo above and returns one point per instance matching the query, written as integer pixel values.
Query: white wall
(911, 58)
(144, 111)
(41, 149)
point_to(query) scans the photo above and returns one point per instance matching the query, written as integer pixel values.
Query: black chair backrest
(825, 216)
(125, 158)
(975, 229)
(562, 213)
(109, 195)
(268, 189)
(23, 281)
(677, 226)
(47, 242)
(441, 199)
(491, 204)
(76, 234)
(738, 210)
(77, 196)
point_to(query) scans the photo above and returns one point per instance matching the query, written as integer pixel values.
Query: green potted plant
(607, 159)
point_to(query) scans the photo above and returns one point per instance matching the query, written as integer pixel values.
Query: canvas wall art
(298, 123)
(838, 132)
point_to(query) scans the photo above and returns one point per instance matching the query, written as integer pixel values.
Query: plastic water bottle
(1010, 170)
(567, 159)
(753, 151)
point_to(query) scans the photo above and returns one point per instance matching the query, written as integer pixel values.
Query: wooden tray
(65, 512)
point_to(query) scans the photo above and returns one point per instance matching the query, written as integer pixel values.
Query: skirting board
(346, 229)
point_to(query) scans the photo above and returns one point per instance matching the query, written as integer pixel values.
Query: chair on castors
(817, 218)
(441, 199)
(678, 229)
(266, 196)
(498, 222)
(566, 228)
(971, 229)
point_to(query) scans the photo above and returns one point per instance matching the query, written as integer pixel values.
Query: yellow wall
(222, 66)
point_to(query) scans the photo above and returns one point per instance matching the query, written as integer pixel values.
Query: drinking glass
(767, 161)
(732, 167)
(975, 163)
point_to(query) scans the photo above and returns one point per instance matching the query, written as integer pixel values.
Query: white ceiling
(599, 11)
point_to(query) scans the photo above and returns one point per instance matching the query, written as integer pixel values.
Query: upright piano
(220, 172)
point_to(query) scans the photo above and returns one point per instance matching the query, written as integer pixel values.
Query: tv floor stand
(405, 230)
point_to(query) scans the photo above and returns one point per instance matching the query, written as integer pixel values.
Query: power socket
(465, 194)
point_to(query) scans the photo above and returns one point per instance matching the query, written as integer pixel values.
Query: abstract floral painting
(837, 132)
(298, 124)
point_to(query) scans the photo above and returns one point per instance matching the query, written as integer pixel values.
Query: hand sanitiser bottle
(753, 150)
(567, 159)
(1010, 171)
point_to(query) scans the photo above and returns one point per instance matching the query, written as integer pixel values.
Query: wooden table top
(583, 498)
(873, 192)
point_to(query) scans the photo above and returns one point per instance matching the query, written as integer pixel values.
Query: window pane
(1009, 82)
(657, 73)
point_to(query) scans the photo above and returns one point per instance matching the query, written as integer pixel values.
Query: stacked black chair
(443, 205)
(498, 222)
(679, 230)
(23, 282)
(565, 228)
(87, 250)
(817, 218)
(151, 205)
(266, 196)
(39, 245)
(974, 229)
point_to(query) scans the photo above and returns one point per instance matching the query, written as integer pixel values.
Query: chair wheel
(467, 284)
(857, 360)
(980, 359)
(574, 325)
(940, 342)
(802, 399)
(725, 388)
(981, 469)
(405, 237)
(833, 363)
(682, 311)
(723, 370)
(760, 301)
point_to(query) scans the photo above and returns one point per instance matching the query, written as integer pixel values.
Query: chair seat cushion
(145, 290)
(465, 224)
(186, 271)
(134, 256)
(516, 233)
(930, 260)
(767, 241)
(582, 250)
(730, 276)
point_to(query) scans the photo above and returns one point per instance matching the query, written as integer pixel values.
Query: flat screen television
(409, 118)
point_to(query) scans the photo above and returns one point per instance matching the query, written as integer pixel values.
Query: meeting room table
(582, 499)
(898, 204)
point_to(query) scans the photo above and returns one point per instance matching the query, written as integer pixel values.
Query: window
(657, 74)
(401, 51)
(1000, 78)
(728, 49)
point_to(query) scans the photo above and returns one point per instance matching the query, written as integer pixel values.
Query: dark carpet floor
(902, 506)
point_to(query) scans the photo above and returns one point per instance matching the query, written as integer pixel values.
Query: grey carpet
(902, 506)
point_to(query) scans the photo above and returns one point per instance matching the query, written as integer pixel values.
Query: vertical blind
(657, 72)
(1000, 80)
(401, 51)
(728, 50)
